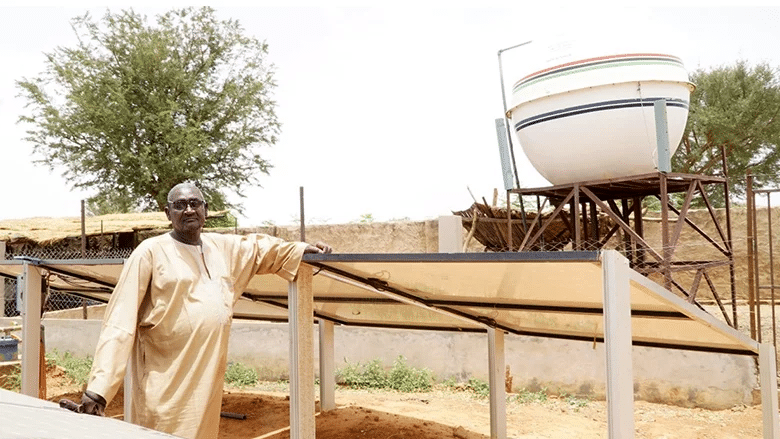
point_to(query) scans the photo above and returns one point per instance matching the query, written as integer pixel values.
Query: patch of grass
(480, 388)
(77, 369)
(450, 384)
(400, 377)
(12, 380)
(526, 397)
(405, 378)
(574, 402)
(238, 375)
(369, 376)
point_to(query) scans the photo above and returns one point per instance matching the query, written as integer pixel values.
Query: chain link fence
(9, 296)
(70, 253)
(584, 246)
(54, 300)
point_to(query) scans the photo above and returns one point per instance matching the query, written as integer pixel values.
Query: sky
(386, 112)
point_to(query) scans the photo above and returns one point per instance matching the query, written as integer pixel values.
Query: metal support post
(303, 216)
(327, 366)
(504, 155)
(753, 280)
(301, 316)
(666, 251)
(730, 246)
(509, 237)
(662, 136)
(503, 100)
(497, 365)
(617, 342)
(575, 209)
(771, 268)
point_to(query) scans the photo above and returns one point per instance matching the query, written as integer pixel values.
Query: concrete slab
(23, 417)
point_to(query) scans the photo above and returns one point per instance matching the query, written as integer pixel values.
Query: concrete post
(301, 315)
(327, 366)
(497, 364)
(767, 368)
(617, 341)
(31, 331)
(128, 395)
(450, 234)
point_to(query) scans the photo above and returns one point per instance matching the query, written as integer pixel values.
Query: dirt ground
(457, 415)
(452, 415)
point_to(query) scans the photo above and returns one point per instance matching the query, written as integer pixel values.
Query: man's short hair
(182, 185)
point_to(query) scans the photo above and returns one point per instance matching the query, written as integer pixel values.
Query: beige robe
(172, 308)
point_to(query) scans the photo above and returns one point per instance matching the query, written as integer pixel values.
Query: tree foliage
(135, 108)
(733, 109)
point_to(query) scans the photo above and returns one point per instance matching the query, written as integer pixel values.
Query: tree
(134, 108)
(734, 109)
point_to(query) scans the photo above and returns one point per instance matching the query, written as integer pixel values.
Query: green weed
(526, 397)
(574, 402)
(450, 384)
(12, 380)
(405, 378)
(77, 369)
(238, 375)
(400, 377)
(480, 389)
(369, 376)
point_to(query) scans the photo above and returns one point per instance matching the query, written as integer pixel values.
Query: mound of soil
(458, 415)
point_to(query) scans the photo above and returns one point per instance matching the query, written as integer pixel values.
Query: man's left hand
(91, 404)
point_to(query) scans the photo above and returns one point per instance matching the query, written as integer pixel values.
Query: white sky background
(385, 111)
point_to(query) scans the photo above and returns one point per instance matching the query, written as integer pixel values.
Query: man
(171, 313)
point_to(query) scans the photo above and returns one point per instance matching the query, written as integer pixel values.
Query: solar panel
(542, 294)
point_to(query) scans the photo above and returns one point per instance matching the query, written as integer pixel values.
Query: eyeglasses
(194, 203)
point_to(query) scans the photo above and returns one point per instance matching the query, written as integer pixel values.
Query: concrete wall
(714, 381)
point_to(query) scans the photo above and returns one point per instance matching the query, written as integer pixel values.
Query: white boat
(593, 118)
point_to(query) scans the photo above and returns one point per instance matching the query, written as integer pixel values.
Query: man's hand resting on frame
(91, 404)
(319, 247)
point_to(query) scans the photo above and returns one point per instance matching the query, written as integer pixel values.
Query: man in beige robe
(171, 313)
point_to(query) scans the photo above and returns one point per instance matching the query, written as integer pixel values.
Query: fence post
(3, 282)
(84, 251)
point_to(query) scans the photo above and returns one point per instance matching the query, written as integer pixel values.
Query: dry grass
(47, 231)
